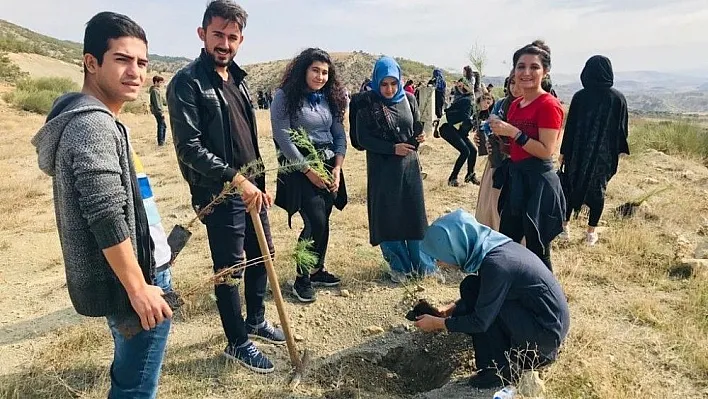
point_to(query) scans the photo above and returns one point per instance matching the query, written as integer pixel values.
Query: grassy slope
(636, 331)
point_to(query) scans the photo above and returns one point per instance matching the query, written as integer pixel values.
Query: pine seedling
(303, 255)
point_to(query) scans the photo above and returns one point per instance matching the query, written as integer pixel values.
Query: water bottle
(505, 393)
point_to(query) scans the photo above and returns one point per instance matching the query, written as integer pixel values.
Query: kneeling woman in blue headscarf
(511, 304)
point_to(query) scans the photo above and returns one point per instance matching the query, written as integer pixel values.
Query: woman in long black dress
(595, 135)
(388, 127)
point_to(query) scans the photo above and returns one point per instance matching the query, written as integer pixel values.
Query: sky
(665, 36)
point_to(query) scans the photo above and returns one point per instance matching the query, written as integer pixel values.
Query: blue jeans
(407, 258)
(161, 128)
(137, 361)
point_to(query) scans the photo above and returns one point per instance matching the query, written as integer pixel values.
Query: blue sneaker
(266, 332)
(250, 357)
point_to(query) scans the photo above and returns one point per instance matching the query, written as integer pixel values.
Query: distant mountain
(646, 91)
(352, 67)
(16, 39)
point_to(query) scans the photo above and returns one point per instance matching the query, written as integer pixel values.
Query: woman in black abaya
(595, 135)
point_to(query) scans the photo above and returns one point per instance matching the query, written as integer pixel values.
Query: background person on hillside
(532, 201)
(510, 303)
(389, 129)
(455, 129)
(104, 229)
(595, 136)
(213, 143)
(438, 81)
(487, 209)
(311, 97)
(409, 88)
(156, 108)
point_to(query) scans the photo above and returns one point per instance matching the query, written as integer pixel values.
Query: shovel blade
(177, 240)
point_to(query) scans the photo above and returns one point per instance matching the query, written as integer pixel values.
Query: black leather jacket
(201, 127)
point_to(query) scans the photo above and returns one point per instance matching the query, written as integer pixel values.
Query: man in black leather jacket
(215, 136)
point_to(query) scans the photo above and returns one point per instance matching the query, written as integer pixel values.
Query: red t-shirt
(545, 112)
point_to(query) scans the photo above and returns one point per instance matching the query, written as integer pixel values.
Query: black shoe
(472, 178)
(486, 379)
(323, 278)
(303, 290)
(453, 183)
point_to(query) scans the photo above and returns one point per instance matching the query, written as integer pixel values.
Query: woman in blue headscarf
(438, 81)
(511, 304)
(388, 127)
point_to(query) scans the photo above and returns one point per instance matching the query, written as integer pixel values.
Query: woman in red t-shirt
(533, 204)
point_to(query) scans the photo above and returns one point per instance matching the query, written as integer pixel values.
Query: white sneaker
(398, 277)
(591, 239)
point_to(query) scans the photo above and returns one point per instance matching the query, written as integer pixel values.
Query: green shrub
(136, 107)
(9, 72)
(674, 137)
(38, 95)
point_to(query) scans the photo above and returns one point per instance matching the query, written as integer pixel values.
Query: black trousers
(315, 210)
(513, 338)
(439, 103)
(512, 226)
(161, 128)
(597, 206)
(231, 236)
(462, 143)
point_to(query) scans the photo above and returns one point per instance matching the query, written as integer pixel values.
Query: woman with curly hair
(311, 97)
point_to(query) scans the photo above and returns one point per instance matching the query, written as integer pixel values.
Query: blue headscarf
(440, 84)
(387, 67)
(459, 239)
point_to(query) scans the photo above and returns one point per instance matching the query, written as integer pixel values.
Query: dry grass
(636, 331)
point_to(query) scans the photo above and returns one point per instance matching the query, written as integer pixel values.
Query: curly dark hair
(294, 84)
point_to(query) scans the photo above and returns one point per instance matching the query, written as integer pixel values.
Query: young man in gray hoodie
(103, 227)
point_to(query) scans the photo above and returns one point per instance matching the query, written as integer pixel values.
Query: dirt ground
(632, 331)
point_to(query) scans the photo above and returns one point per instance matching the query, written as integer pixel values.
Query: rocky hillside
(16, 39)
(353, 68)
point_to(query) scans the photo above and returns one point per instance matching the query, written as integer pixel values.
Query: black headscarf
(595, 134)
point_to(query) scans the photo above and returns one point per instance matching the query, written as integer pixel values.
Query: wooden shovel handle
(275, 286)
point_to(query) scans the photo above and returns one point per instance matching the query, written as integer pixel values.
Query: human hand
(252, 196)
(403, 149)
(267, 200)
(475, 139)
(336, 178)
(501, 128)
(430, 323)
(420, 138)
(446, 311)
(316, 180)
(150, 306)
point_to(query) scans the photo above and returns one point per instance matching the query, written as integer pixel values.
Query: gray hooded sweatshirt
(86, 152)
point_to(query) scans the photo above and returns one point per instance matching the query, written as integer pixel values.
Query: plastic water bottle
(505, 393)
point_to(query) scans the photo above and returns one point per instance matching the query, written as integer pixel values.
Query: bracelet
(521, 139)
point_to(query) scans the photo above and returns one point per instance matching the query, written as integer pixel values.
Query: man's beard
(219, 62)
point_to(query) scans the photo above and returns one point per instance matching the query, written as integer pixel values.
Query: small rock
(531, 385)
(702, 250)
(419, 288)
(651, 180)
(373, 330)
(688, 174)
(448, 210)
(344, 293)
(390, 375)
(318, 323)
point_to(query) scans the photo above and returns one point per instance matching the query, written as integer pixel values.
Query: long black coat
(595, 134)
(395, 202)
